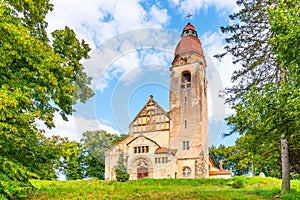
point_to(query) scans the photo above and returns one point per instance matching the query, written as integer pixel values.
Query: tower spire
(189, 15)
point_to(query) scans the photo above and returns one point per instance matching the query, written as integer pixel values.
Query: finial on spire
(189, 15)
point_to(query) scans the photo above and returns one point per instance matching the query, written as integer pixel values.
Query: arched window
(186, 77)
(186, 171)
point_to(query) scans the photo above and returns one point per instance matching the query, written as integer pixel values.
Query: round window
(186, 171)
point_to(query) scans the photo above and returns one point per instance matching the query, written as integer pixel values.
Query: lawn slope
(234, 188)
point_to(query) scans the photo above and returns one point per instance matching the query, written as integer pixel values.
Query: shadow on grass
(275, 193)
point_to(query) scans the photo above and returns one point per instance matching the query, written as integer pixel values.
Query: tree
(50, 153)
(221, 153)
(249, 155)
(265, 94)
(71, 164)
(93, 167)
(95, 143)
(121, 170)
(37, 79)
(284, 20)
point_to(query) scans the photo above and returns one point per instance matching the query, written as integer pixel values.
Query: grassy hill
(234, 188)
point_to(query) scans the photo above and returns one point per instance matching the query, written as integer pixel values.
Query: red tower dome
(189, 42)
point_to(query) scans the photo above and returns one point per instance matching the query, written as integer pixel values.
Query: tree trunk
(253, 172)
(285, 187)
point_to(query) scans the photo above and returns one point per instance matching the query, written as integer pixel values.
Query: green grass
(234, 188)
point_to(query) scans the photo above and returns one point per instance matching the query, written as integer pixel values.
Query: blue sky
(132, 43)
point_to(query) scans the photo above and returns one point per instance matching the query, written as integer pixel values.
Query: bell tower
(188, 106)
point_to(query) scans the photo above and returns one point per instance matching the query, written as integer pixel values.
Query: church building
(172, 144)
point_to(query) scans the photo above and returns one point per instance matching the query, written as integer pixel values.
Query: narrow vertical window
(185, 123)
(186, 77)
(187, 145)
(185, 80)
(183, 145)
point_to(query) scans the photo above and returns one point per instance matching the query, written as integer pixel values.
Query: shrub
(236, 183)
(121, 170)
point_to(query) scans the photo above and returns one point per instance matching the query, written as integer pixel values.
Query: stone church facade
(172, 144)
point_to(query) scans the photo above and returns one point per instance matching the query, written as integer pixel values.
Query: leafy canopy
(37, 79)
(265, 96)
(95, 143)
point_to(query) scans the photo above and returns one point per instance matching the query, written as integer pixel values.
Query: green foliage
(95, 143)
(93, 167)
(252, 154)
(254, 188)
(284, 20)
(265, 41)
(36, 80)
(34, 13)
(14, 178)
(71, 161)
(237, 183)
(121, 170)
(86, 159)
(248, 42)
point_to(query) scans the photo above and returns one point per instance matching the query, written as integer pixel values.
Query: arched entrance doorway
(142, 172)
(141, 167)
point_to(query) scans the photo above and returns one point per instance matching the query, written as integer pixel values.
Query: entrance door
(142, 172)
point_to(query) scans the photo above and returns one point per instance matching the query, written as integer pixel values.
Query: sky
(132, 46)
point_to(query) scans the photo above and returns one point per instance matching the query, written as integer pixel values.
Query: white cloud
(125, 65)
(158, 16)
(97, 21)
(157, 58)
(221, 72)
(122, 55)
(213, 43)
(221, 4)
(75, 127)
(194, 6)
(174, 2)
(143, 61)
(219, 77)
(190, 6)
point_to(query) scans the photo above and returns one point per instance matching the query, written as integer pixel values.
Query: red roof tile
(161, 150)
(189, 26)
(165, 150)
(220, 172)
(189, 43)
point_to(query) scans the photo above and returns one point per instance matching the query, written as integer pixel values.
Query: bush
(236, 183)
(121, 170)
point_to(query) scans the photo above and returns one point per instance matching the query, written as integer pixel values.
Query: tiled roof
(189, 26)
(220, 172)
(162, 150)
(189, 43)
